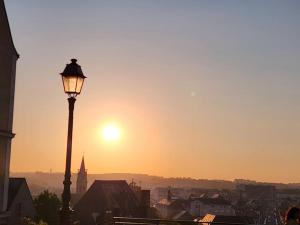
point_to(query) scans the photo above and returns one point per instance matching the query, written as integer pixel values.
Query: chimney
(145, 203)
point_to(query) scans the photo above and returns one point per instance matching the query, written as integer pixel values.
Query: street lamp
(72, 78)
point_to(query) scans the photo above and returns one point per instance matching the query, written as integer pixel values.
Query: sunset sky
(198, 88)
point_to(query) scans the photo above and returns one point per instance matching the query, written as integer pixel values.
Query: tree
(48, 206)
(28, 221)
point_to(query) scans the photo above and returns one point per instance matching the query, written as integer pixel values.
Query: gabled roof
(5, 29)
(106, 195)
(14, 186)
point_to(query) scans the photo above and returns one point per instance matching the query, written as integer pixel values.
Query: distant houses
(193, 207)
(199, 207)
(257, 192)
(171, 208)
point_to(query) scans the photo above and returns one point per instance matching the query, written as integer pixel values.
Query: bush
(48, 206)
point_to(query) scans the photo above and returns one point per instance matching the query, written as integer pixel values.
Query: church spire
(82, 166)
(81, 184)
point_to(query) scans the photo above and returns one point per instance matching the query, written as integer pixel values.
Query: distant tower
(81, 184)
(8, 58)
(170, 195)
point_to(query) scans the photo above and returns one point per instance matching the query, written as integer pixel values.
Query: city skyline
(200, 89)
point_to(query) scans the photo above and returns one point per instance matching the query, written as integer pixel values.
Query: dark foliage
(48, 205)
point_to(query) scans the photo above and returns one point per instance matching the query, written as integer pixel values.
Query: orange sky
(203, 90)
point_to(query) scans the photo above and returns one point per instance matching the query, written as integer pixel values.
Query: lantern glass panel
(70, 84)
(79, 85)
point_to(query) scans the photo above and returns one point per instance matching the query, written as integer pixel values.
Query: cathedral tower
(81, 184)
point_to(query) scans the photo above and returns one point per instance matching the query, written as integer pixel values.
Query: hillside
(39, 181)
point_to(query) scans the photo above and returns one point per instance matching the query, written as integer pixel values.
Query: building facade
(8, 59)
(113, 197)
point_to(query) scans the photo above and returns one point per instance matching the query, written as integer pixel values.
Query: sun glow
(111, 132)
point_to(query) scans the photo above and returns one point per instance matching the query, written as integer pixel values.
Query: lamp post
(72, 78)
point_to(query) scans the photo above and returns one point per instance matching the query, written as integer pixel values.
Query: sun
(111, 132)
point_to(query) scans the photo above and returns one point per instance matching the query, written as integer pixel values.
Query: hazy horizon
(206, 89)
(152, 175)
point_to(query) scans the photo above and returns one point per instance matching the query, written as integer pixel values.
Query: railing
(146, 221)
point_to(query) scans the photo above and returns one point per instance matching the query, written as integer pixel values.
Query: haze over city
(202, 89)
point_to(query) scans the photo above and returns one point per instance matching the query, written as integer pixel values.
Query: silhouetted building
(288, 193)
(143, 197)
(20, 203)
(160, 193)
(107, 196)
(257, 192)
(171, 206)
(202, 206)
(81, 184)
(8, 58)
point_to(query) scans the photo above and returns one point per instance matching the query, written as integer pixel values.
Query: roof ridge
(2, 6)
(110, 181)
